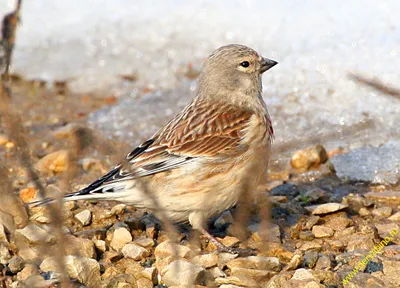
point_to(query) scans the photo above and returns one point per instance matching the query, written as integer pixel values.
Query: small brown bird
(195, 165)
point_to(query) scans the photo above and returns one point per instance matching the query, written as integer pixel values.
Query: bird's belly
(210, 189)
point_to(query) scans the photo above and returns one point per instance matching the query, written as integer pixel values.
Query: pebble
(390, 230)
(206, 260)
(16, 264)
(79, 246)
(311, 221)
(287, 189)
(100, 244)
(181, 272)
(310, 246)
(84, 217)
(3, 235)
(118, 209)
(85, 270)
(91, 164)
(28, 194)
(321, 231)
(306, 235)
(28, 270)
(395, 217)
(166, 249)
(120, 237)
(260, 276)
(134, 251)
(364, 212)
(309, 157)
(325, 208)
(145, 242)
(323, 263)
(310, 258)
(4, 139)
(53, 163)
(256, 262)
(302, 274)
(391, 197)
(5, 255)
(294, 262)
(224, 219)
(34, 234)
(385, 211)
(239, 280)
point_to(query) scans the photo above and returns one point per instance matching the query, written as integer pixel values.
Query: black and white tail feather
(118, 182)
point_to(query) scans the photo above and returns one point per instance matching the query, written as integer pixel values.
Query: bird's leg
(222, 248)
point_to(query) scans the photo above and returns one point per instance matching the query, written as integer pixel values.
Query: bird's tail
(106, 187)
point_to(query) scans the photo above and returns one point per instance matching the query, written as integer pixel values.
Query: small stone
(322, 231)
(287, 189)
(310, 246)
(259, 276)
(144, 283)
(239, 280)
(84, 217)
(294, 262)
(28, 270)
(389, 231)
(120, 237)
(216, 272)
(323, 263)
(391, 268)
(337, 244)
(118, 209)
(391, 197)
(3, 236)
(306, 236)
(5, 255)
(16, 264)
(4, 139)
(256, 262)
(150, 273)
(206, 260)
(302, 274)
(79, 247)
(395, 217)
(181, 272)
(359, 241)
(53, 163)
(34, 234)
(364, 212)
(86, 270)
(309, 157)
(311, 221)
(166, 249)
(224, 219)
(325, 208)
(385, 211)
(134, 251)
(42, 216)
(338, 221)
(145, 242)
(310, 258)
(91, 164)
(28, 194)
(230, 241)
(100, 244)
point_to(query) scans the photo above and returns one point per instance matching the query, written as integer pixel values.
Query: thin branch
(376, 84)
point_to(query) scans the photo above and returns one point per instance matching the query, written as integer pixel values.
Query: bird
(197, 163)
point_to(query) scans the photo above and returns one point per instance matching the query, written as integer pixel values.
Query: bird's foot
(222, 248)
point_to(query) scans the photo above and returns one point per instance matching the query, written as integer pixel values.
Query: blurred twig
(12, 122)
(376, 84)
(8, 30)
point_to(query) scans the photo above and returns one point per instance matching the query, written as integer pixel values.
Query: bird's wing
(201, 130)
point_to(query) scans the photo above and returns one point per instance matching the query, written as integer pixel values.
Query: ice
(309, 94)
(379, 165)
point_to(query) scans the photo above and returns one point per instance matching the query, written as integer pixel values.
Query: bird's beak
(267, 64)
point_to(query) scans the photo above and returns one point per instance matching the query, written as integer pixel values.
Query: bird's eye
(245, 64)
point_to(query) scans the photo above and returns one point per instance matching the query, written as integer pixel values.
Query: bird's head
(234, 68)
